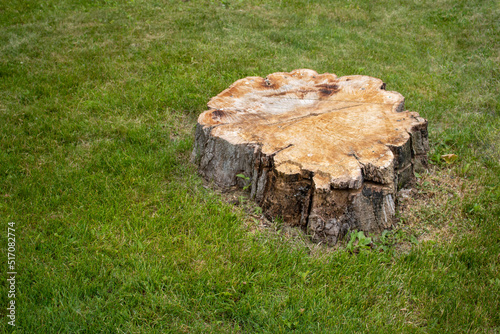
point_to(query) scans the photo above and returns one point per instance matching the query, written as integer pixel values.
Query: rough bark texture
(324, 153)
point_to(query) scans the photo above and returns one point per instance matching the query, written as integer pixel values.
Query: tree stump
(324, 153)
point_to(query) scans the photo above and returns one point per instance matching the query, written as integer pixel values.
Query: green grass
(114, 229)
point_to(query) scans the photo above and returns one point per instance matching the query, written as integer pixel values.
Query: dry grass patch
(431, 210)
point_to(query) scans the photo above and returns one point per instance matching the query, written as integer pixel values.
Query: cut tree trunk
(324, 153)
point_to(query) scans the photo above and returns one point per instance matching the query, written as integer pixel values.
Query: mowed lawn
(115, 231)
